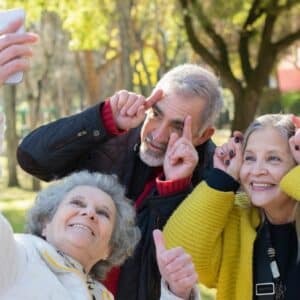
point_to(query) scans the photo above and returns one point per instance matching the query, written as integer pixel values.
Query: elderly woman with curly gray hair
(78, 229)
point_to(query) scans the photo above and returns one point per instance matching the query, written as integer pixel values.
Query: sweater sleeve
(197, 225)
(8, 255)
(290, 183)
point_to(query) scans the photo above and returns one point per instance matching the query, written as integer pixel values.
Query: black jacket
(81, 142)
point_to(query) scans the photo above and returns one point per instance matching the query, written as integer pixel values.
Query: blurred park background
(89, 49)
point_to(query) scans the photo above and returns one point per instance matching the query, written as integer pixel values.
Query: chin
(150, 160)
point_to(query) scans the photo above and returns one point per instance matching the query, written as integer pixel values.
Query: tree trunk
(11, 134)
(92, 82)
(124, 8)
(245, 103)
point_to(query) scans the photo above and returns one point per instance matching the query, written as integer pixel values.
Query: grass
(15, 201)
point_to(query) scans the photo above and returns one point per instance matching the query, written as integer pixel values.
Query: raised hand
(175, 266)
(129, 108)
(228, 157)
(181, 156)
(294, 141)
(14, 50)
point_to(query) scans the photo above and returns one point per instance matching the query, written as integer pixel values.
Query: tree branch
(286, 41)
(254, 13)
(217, 64)
(209, 29)
(266, 56)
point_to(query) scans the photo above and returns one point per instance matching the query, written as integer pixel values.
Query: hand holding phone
(11, 62)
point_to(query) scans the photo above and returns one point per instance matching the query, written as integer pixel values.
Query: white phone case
(7, 17)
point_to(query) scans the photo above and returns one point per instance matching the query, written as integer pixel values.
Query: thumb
(159, 241)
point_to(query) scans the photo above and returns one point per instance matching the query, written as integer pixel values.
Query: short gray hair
(192, 80)
(125, 235)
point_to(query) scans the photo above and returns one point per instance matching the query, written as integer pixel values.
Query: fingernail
(297, 148)
(231, 154)
(221, 153)
(227, 162)
(236, 139)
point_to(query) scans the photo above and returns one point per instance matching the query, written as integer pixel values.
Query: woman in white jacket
(77, 229)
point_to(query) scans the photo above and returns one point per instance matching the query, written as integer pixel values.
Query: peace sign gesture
(181, 156)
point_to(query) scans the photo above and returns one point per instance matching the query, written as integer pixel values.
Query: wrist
(108, 119)
(169, 187)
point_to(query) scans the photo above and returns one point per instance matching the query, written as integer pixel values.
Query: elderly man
(145, 142)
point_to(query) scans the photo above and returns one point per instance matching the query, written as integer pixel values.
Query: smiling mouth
(84, 227)
(155, 147)
(261, 186)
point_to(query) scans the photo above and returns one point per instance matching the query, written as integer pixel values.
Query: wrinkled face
(82, 225)
(165, 117)
(267, 158)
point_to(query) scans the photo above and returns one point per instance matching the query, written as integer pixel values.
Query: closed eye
(154, 113)
(274, 158)
(249, 158)
(103, 212)
(78, 202)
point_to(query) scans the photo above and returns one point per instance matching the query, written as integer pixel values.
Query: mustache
(149, 139)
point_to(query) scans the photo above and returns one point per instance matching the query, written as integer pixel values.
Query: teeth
(83, 227)
(261, 185)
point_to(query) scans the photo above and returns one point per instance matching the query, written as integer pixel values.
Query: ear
(108, 253)
(206, 135)
(44, 231)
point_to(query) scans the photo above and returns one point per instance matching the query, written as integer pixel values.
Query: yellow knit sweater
(219, 229)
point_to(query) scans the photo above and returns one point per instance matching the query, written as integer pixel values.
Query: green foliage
(89, 22)
(291, 102)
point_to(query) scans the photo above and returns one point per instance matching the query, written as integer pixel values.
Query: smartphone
(6, 17)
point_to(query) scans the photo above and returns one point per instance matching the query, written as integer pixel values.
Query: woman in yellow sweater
(247, 249)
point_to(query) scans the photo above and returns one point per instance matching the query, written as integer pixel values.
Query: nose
(259, 168)
(89, 212)
(161, 134)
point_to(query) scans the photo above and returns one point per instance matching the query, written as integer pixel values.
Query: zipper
(70, 140)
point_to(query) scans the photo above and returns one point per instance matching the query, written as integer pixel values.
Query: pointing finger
(155, 97)
(172, 140)
(187, 128)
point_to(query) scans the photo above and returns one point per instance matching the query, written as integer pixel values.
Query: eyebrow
(176, 122)
(80, 197)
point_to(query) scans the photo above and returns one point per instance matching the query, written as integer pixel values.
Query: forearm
(197, 225)
(53, 150)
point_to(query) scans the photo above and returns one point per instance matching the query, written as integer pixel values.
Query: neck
(282, 214)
